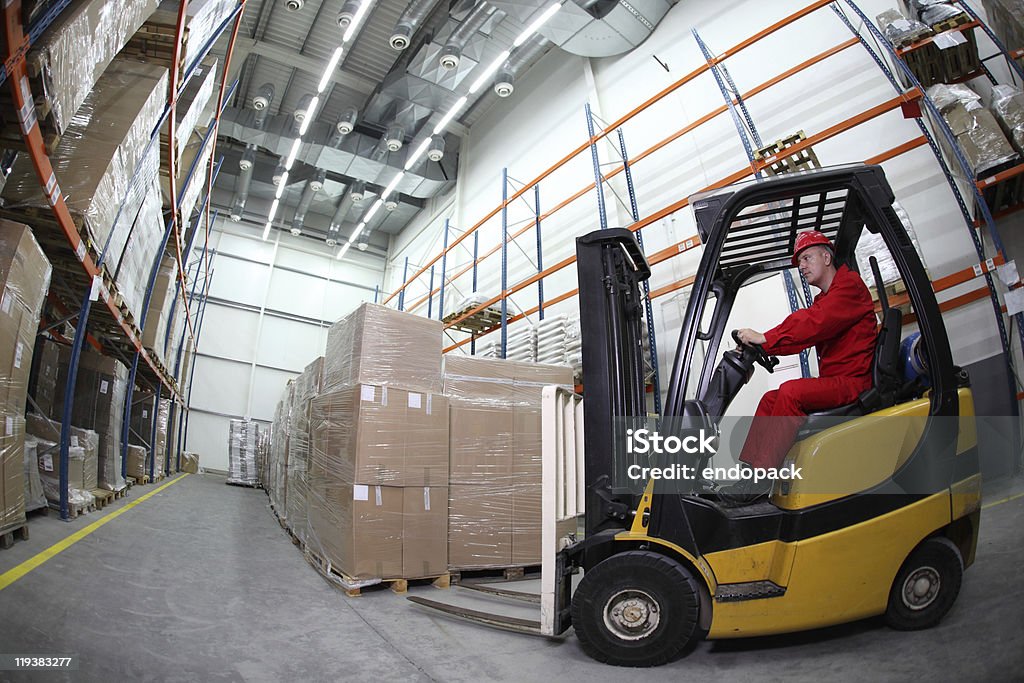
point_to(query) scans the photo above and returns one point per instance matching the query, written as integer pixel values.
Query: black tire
(633, 583)
(926, 585)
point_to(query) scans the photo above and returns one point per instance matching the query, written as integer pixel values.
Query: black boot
(745, 491)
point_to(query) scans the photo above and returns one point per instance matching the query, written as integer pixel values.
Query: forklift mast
(611, 267)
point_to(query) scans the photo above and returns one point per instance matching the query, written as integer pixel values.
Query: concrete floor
(199, 583)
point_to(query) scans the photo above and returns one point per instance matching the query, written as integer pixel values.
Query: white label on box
(103, 386)
(947, 40)
(10, 425)
(384, 396)
(144, 414)
(426, 498)
(17, 354)
(6, 304)
(414, 401)
(367, 394)
(74, 441)
(1008, 273)
(47, 462)
(430, 404)
(360, 492)
(380, 500)
(1014, 300)
(94, 293)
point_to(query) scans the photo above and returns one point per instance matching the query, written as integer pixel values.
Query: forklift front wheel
(636, 608)
(926, 585)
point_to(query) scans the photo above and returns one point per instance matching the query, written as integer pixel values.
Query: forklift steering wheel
(760, 356)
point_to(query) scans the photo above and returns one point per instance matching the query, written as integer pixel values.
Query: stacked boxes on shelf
(1006, 18)
(101, 150)
(378, 464)
(242, 438)
(138, 466)
(97, 405)
(25, 279)
(495, 467)
(308, 386)
(72, 54)
(160, 321)
(277, 467)
(144, 413)
(82, 459)
(559, 343)
(935, 49)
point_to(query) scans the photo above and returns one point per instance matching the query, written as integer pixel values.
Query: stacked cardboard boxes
(378, 464)
(82, 473)
(138, 466)
(190, 462)
(146, 412)
(242, 438)
(494, 515)
(307, 387)
(159, 316)
(24, 281)
(277, 467)
(1006, 19)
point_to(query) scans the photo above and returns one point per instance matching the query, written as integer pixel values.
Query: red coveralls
(841, 325)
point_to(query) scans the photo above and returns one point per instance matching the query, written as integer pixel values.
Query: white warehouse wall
(267, 317)
(544, 120)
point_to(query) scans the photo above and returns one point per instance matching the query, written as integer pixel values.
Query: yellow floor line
(12, 575)
(1004, 500)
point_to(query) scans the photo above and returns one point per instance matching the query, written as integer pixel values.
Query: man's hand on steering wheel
(747, 338)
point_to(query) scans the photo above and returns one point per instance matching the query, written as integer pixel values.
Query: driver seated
(841, 325)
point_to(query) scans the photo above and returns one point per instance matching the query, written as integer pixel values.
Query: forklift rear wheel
(926, 586)
(636, 608)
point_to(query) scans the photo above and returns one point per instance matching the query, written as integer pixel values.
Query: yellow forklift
(885, 517)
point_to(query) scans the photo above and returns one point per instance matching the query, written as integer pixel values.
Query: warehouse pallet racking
(115, 330)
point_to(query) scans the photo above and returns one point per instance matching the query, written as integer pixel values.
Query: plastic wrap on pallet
(307, 387)
(899, 30)
(138, 466)
(946, 96)
(242, 452)
(158, 315)
(382, 346)
(163, 416)
(100, 390)
(480, 529)
(48, 460)
(83, 472)
(74, 52)
(932, 12)
(280, 449)
(379, 435)
(189, 200)
(1006, 19)
(201, 20)
(99, 152)
(190, 462)
(133, 267)
(193, 101)
(35, 498)
(24, 280)
(1008, 106)
(873, 245)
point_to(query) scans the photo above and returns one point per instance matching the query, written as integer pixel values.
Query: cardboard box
(82, 471)
(424, 531)
(980, 138)
(307, 387)
(481, 442)
(377, 435)
(189, 462)
(358, 528)
(137, 467)
(12, 471)
(527, 515)
(479, 526)
(384, 347)
(159, 313)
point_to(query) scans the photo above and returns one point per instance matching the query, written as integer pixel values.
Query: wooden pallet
(496, 574)
(476, 323)
(103, 497)
(12, 531)
(951, 23)
(353, 588)
(75, 509)
(780, 161)
(140, 481)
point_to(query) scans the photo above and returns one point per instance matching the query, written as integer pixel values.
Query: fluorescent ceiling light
(481, 81)
(411, 161)
(266, 231)
(450, 115)
(344, 248)
(331, 66)
(273, 210)
(360, 13)
(373, 209)
(537, 23)
(292, 154)
(281, 185)
(310, 113)
(355, 233)
(392, 185)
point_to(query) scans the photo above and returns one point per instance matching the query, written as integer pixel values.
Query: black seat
(887, 380)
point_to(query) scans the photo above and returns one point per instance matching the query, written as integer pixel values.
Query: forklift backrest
(888, 379)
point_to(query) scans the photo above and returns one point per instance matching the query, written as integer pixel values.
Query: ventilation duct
(299, 221)
(347, 13)
(393, 138)
(263, 97)
(344, 206)
(358, 192)
(452, 52)
(620, 27)
(302, 109)
(436, 150)
(347, 121)
(242, 184)
(318, 183)
(279, 173)
(410, 20)
(505, 80)
(294, 5)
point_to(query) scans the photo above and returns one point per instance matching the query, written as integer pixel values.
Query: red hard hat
(809, 238)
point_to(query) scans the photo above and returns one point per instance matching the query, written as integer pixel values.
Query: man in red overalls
(841, 325)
